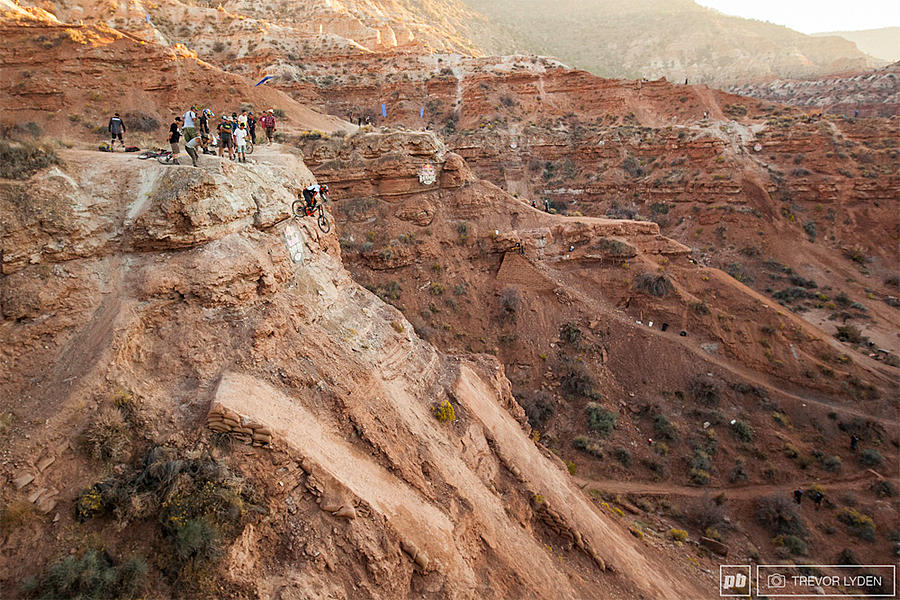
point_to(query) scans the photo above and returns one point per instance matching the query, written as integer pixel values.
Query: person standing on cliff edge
(116, 128)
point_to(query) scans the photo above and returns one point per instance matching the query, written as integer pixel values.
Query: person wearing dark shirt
(225, 129)
(116, 128)
(175, 137)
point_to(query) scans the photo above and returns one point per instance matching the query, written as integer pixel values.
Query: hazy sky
(813, 16)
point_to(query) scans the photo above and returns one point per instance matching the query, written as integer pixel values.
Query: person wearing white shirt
(240, 140)
(189, 128)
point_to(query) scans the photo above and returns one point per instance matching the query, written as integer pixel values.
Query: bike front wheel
(324, 223)
(249, 148)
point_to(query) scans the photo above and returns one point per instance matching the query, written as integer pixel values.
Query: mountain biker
(310, 193)
(116, 128)
(205, 116)
(174, 137)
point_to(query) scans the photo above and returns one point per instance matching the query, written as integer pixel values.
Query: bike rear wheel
(298, 209)
(249, 148)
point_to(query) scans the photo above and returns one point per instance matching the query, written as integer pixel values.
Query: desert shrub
(510, 302)
(705, 390)
(107, 436)
(138, 121)
(850, 333)
(623, 456)
(699, 476)
(810, 228)
(199, 540)
(779, 515)
(870, 458)
(884, 489)
(654, 285)
(600, 420)
(632, 166)
(832, 464)
(791, 543)
(791, 451)
(278, 112)
(588, 446)
(742, 431)
(577, 382)
(21, 160)
(538, 407)
(862, 525)
(570, 333)
(571, 467)
(848, 557)
(444, 412)
(706, 513)
(92, 575)
(665, 429)
(15, 514)
(738, 473)
(738, 271)
(615, 248)
(677, 535)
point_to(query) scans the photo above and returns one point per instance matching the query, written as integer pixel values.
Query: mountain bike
(300, 210)
(146, 154)
(165, 158)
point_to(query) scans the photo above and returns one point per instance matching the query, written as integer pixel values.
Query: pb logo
(734, 581)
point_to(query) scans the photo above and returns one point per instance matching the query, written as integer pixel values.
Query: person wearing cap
(225, 129)
(190, 126)
(240, 140)
(191, 147)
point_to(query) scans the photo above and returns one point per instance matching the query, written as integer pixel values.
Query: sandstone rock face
(225, 316)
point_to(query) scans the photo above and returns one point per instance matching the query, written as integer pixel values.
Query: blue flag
(264, 79)
(422, 113)
(148, 17)
(384, 110)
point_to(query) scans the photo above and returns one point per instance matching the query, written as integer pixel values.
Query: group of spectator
(232, 133)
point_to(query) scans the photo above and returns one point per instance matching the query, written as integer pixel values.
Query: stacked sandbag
(225, 420)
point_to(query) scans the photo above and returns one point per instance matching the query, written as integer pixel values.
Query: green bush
(198, 540)
(587, 445)
(623, 456)
(570, 334)
(538, 407)
(699, 476)
(678, 535)
(705, 390)
(792, 543)
(600, 420)
(577, 382)
(884, 489)
(832, 464)
(870, 458)
(863, 525)
(21, 160)
(655, 285)
(742, 431)
(779, 515)
(107, 437)
(665, 429)
(95, 575)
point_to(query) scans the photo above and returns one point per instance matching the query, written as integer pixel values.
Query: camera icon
(776, 580)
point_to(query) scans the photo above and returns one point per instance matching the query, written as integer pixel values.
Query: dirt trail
(746, 492)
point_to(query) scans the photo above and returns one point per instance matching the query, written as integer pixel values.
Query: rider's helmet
(324, 189)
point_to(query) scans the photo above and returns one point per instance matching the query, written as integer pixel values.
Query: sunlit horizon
(814, 16)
